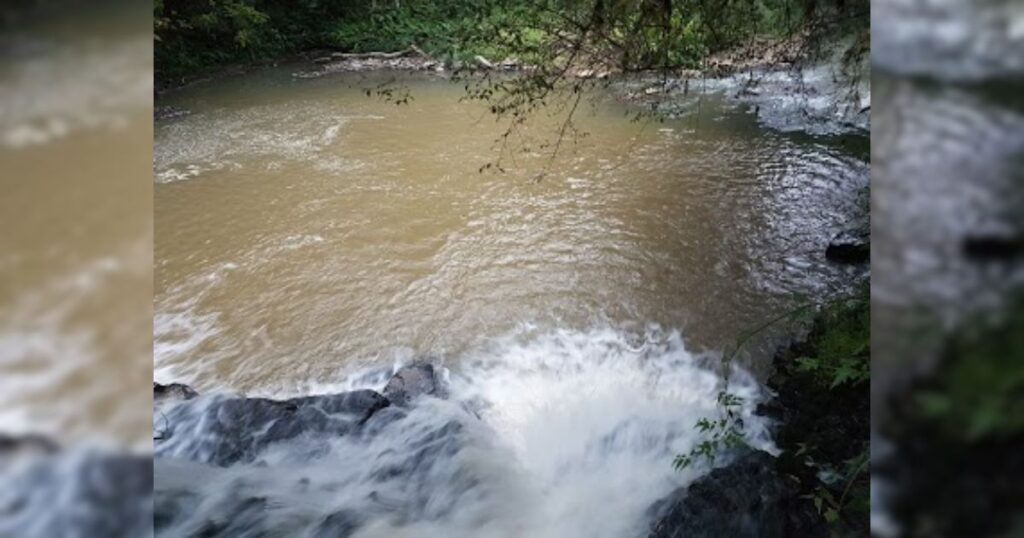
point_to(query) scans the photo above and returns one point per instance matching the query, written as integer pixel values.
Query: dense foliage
(192, 35)
(956, 433)
(822, 387)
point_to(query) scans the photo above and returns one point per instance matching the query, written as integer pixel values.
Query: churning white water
(566, 433)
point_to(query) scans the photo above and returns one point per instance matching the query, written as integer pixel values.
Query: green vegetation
(192, 36)
(195, 35)
(960, 428)
(822, 385)
(842, 344)
(565, 46)
(826, 380)
(977, 394)
(722, 433)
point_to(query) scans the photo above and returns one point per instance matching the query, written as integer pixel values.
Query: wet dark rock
(232, 430)
(169, 112)
(993, 247)
(834, 421)
(942, 478)
(78, 494)
(771, 409)
(248, 518)
(425, 449)
(30, 444)
(816, 426)
(169, 505)
(748, 498)
(172, 392)
(851, 246)
(381, 419)
(412, 381)
(338, 525)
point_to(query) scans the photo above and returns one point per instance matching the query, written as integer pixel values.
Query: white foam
(45, 350)
(74, 87)
(565, 433)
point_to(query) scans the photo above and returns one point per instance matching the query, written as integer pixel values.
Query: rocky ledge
(750, 497)
(47, 490)
(754, 495)
(819, 430)
(223, 431)
(850, 246)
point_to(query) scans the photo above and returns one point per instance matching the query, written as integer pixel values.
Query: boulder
(993, 246)
(78, 493)
(225, 431)
(26, 444)
(412, 381)
(340, 524)
(748, 498)
(169, 112)
(851, 246)
(172, 392)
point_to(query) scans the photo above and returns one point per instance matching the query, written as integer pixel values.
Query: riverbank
(818, 484)
(790, 86)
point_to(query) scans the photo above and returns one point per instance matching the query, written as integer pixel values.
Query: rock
(30, 443)
(226, 431)
(338, 525)
(16, 450)
(482, 62)
(993, 246)
(246, 518)
(169, 112)
(851, 246)
(412, 381)
(78, 493)
(172, 392)
(323, 60)
(833, 421)
(771, 409)
(748, 498)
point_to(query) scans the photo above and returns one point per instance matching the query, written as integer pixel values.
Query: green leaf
(807, 364)
(844, 372)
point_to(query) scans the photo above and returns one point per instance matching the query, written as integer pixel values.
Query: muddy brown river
(304, 230)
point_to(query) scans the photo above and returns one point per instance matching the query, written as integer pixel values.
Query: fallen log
(411, 50)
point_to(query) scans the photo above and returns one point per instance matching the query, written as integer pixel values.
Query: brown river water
(75, 226)
(304, 230)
